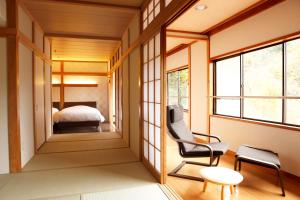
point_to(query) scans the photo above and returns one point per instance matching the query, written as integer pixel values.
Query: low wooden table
(221, 176)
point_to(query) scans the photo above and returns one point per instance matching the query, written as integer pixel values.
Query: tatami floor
(258, 184)
(74, 142)
(109, 173)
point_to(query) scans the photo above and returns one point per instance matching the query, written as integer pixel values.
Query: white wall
(26, 104)
(274, 22)
(4, 153)
(25, 23)
(134, 101)
(277, 21)
(199, 100)
(48, 101)
(282, 141)
(177, 59)
(134, 88)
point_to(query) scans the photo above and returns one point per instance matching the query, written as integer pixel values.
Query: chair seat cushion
(219, 148)
(257, 156)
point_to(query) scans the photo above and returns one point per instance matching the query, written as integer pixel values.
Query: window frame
(178, 86)
(241, 98)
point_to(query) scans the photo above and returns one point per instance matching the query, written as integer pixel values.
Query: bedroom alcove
(77, 66)
(86, 97)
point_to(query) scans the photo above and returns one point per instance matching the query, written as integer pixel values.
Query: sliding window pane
(293, 111)
(184, 83)
(293, 68)
(173, 101)
(173, 84)
(184, 102)
(228, 107)
(263, 72)
(228, 77)
(263, 109)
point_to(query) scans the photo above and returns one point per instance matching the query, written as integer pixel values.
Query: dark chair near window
(189, 146)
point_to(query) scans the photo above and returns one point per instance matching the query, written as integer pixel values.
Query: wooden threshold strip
(282, 126)
(81, 73)
(75, 85)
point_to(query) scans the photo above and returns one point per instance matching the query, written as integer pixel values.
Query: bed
(76, 114)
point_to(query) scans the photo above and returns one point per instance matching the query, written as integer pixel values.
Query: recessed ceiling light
(201, 7)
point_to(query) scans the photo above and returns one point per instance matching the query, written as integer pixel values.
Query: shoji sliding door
(152, 104)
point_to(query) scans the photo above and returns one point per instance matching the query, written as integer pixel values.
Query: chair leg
(281, 181)
(240, 165)
(175, 174)
(235, 164)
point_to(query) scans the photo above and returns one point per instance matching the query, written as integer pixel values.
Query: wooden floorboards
(258, 184)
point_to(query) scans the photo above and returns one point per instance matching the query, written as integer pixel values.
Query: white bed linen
(55, 115)
(79, 114)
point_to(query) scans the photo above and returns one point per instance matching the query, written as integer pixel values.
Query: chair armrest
(206, 135)
(198, 144)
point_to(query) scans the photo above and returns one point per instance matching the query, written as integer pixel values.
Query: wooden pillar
(13, 88)
(62, 86)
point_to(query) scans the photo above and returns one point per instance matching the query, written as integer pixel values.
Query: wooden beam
(62, 89)
(79, 36)
(177, 48)
(75, 85)
(4, 31)
(13, 89)
(82, 61)
(167, 15)
(242, 15)
(90, 3)
(81, 73)
(26, 41)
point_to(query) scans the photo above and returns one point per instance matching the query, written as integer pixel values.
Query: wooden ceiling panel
(216, 12)
(82, 49)
(69, 18)
(119, 2)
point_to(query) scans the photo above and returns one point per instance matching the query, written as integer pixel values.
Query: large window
(178, 88)
(263, 84)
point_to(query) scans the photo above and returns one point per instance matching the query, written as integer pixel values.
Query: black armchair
(189, 147)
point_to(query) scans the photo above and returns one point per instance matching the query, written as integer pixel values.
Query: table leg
(223, 193)
(204, 186)
(231, 189)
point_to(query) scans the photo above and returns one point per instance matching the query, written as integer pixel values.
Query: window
(262, 84)
(178, 88)
(150, 12)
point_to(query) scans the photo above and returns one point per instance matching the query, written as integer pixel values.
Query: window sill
(282, 126)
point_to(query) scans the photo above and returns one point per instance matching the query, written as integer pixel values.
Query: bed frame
(65, 125)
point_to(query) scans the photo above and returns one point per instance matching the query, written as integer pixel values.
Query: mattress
(78, 114)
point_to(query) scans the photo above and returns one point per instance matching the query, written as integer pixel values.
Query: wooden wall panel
(39, 107)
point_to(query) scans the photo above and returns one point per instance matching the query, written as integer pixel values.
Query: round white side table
(221, 176)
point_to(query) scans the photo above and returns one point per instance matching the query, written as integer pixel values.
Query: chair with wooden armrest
(189, 147)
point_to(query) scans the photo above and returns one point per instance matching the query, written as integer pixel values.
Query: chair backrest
(177, 127)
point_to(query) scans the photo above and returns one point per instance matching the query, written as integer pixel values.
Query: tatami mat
(75, 181)
(79, 159)
(84, 136)
(53, 147)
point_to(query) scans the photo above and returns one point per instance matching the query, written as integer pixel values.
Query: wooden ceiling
(67, 17)
(82, 49)
(83, 29)
(216, 12)
(136, 3)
